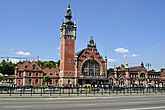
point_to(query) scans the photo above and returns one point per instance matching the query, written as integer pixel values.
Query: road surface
(156, 102)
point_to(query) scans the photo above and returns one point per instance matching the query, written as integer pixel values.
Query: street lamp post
(148, 65)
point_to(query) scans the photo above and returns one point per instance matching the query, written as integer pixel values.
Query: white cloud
(130, 55)
(112, 60)
(58, 48)
(23, 53)
(121, 50)
(13, 60)
(134, 55)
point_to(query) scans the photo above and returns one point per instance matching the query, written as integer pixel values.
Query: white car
(51, 89)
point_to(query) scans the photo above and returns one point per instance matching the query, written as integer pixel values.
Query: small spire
(68, 15)
(126, 65)
(92, 44)
(68, 5)
(142, 64)
(91, 37)
(91, 41)
(115, 69)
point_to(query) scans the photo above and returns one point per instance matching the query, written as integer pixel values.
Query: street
(85, 103)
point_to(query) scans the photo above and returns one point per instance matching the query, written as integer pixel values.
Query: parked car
(27, 89)
(95, 89)
(107, 87)
(51, 89)
(86, 87)
(118, 88)
(24, 88)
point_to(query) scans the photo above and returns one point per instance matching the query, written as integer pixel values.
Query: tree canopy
(47, 79)
(1, 76)
(47, 63)
(9, 67)
(162, 69)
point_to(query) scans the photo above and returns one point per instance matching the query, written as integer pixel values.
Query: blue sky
(29, 28)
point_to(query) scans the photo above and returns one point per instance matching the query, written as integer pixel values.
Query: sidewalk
(72, 95)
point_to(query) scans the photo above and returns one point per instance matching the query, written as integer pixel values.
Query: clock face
(69, 31)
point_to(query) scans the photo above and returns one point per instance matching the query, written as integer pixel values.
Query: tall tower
(67, 49)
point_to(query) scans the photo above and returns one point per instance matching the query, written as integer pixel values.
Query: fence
(82, 91)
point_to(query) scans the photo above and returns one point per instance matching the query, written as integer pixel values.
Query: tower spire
(92, 44)
(68, 14)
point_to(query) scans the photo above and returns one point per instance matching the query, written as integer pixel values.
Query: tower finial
(91, 37)
(142, 64)
(68, 5)
(68, 14)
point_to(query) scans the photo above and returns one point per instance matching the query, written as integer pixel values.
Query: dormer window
(34, 66)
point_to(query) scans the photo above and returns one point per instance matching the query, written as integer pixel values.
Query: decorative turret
(142, 64)
(92, 44)
(126, 67)
(68, 27)
(115, 71)
(68, 15)
(127, 70)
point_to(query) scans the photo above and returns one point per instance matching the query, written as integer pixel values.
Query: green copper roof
(68, 12)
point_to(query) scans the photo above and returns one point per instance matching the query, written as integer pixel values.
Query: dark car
(118, 88)
(95, 89)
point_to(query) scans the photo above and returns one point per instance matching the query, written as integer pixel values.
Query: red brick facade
(29, 73)
(67, 49)
(133, 76)
(86, 66)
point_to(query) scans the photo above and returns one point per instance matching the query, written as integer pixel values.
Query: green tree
(7, 67)
(162, 69)
(152, 70)
(47, 79)
(47, 63)
(1, 76)
(110, 70)
(40, 63)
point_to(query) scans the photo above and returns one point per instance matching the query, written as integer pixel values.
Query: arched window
(36, 74)
(36, 81)
(30, 74)
(91, 68)
(30, 81)
(142, 75)
(111, 81)
(121, 82)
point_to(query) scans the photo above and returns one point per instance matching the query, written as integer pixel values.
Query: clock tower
(67, 49)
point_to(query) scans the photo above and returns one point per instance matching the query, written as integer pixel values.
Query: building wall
(85, 56)
(36, 75)
(135, 78)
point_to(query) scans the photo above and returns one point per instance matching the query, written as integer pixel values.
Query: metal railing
(82, 91)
